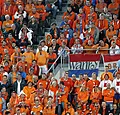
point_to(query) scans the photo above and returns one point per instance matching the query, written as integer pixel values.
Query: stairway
(58, 21)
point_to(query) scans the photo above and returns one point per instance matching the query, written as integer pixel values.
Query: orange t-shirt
(29, 56)
(41, 59)
(60, 41)
(6, 24)
(110, 34)
(37, 109)
(116, 24)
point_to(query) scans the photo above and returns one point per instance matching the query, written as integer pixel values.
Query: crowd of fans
(26, 87)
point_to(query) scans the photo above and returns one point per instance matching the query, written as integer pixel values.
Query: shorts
(117, 96)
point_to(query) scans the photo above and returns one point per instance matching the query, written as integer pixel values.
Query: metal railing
(62, 61)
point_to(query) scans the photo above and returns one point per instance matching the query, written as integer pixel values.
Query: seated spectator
(51, 8)
(80, 21)
(106, 71)
(109, 33)
(7, 9)
(100, 6)
(77, 48)
(100, 48)
(114, 49)
(107, 15)
(88, 47)
(75, 7)
(82, 13)
(93, 14)
(86, 8)
(115, 22)
(113, 7)
(7, 24)
(88, 37)
(54, 31)
(62, 39)
(41, 10)
(29, 6)
(102, 24)
(34, 13)
(69, 13)
(19, 12)
(72, 40)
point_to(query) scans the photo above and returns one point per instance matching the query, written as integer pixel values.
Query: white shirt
(18, 87)
(103, 84)
(114, 51)
(116, 84)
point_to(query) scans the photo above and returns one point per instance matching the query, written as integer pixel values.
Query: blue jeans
(52, 10)
(110, 104)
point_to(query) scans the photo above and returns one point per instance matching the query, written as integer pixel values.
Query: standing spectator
(108, 95)
(86, 7)
(55, 46)
(2, 104)
(52, 57)
(104, 110)
(116, 86)
(19, 84)
(103, 84)
(42, 59)
(115, 110)
(54, 31)
(106, 71)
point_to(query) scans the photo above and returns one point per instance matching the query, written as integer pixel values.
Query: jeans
(110, 104)
(53, 10)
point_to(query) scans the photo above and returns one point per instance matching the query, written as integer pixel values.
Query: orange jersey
(108, 95)
(92, 83)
